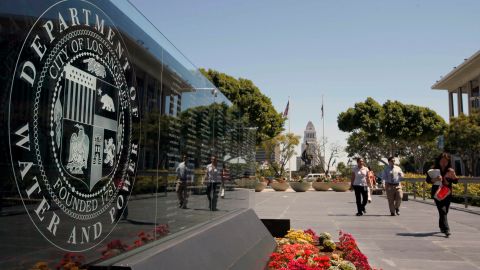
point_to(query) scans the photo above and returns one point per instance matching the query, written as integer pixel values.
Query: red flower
(312, 233)
(352, 253)
(161, 230)
(138, 243)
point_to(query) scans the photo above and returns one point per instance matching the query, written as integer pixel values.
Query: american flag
(285, 113)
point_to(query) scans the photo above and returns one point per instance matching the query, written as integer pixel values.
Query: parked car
(313, 176)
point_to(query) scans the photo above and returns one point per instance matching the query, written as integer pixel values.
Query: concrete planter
(300, 186)
(321, 186)
(277, 186)
(246, 183)
(341, 187)
(260, 186)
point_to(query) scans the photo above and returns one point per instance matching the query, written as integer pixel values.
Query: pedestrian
(447, 177)
(182, 182)
(360, 186)
(392, 175)
(371, 183)
(225, 179)
(212, 179)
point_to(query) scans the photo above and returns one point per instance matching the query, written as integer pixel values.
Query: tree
(462, 139)
(252, 104)
(391, 129)
(334, 150)
(420, 153)
(366, 116)
(358, 145)
(344, 170)
(287, 143)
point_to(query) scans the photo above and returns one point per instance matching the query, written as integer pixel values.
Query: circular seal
(72, 121)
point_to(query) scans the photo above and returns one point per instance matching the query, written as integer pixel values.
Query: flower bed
(72, 261)
(304, 250)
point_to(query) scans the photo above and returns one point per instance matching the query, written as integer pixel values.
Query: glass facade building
(98, 111)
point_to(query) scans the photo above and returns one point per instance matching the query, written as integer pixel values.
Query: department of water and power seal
(72, 121)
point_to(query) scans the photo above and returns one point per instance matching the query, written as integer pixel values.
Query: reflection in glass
(180, 114)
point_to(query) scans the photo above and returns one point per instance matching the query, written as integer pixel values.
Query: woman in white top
(360, 186)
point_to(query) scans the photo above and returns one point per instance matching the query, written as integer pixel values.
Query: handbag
(442, 192)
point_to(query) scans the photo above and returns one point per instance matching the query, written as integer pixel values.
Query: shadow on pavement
(350, 215)
(422, 234)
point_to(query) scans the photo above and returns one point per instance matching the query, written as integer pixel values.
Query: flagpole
(323, 133)
(290, 159)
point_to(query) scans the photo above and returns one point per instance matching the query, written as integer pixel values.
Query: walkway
(409, 241)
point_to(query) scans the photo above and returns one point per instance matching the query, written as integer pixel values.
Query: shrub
(299, 236)
(329, 245)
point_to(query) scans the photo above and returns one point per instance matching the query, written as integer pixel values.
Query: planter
(300, 186)
(321, 186)
(277, 186)
(341, 187)
(246, 183)
(260, 186)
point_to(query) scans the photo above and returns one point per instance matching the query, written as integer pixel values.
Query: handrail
(471, 180)
(462, 180)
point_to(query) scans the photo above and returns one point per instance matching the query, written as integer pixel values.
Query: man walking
(212, 179)
(182, 183)
(392, 175)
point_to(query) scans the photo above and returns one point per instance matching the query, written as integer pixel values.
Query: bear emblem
(107, 103)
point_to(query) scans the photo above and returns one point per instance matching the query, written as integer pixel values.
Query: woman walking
(360, 186)
(372, 182)
(447, 177)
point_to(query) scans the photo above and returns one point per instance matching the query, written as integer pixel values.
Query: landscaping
(473, 190)
(305, 250)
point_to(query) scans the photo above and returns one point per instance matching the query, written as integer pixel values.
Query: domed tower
(310, 137)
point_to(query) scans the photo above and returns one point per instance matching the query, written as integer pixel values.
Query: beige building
(310, 139)
(462, 85)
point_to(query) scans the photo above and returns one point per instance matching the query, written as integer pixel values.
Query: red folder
(442, 192)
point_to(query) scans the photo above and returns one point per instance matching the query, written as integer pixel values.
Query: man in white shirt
(212, 179)
(391, 176)
(182, 183)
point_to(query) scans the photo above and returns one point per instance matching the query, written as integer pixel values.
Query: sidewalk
(409, 241)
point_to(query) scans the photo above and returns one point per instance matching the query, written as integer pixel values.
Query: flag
(322, 110)
(285, 113)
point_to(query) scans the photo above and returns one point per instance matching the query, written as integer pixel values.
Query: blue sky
(344, 50)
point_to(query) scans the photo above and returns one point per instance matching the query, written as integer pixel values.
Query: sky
(344, 50)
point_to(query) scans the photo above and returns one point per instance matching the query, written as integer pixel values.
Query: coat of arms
(78, 151)
(89, 126)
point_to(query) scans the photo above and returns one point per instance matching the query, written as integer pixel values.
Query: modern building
(462, 86)
(97, 110)
(298, 162)
(261, 155)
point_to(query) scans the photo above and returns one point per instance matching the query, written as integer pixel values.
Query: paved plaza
(409, 241)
